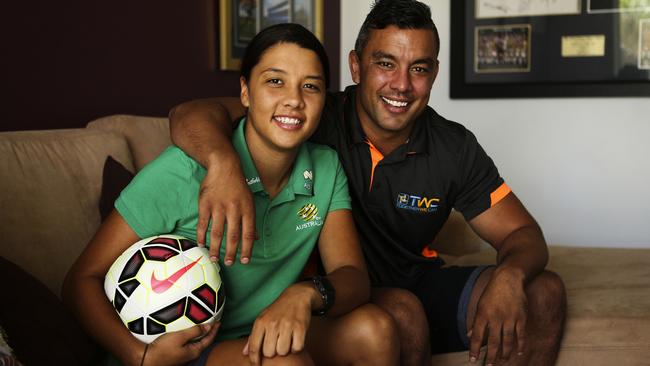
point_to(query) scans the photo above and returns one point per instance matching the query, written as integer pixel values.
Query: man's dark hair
(404, 14)
(283, 33)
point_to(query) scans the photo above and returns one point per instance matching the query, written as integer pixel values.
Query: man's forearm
(523, 254)
(203, 129)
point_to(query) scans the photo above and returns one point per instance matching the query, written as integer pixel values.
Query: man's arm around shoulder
(203, 130)
(203, 127)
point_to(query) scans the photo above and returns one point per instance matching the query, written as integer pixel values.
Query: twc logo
(309, 214)
(419, 204)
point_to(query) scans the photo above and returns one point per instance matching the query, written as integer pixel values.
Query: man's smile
(395, 103)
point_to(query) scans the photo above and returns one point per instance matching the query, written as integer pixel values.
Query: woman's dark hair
(404, 14)
(283, 33)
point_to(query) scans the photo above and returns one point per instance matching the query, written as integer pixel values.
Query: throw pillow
(42, 331)
(114, 179)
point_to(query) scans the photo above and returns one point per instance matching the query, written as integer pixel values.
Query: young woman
(301, 199)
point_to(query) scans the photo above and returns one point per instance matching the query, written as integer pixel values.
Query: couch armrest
(50, 183)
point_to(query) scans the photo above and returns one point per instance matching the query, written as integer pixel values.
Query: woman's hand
(177, 348)
(281, 328)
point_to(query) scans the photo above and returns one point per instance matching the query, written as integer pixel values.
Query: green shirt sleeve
(157, 198)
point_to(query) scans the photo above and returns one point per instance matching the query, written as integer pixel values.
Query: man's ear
(355, 66)
(243, 95)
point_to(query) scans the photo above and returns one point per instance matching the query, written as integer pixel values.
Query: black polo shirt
(401, 201)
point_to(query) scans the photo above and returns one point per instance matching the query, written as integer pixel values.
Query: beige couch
(50, 187)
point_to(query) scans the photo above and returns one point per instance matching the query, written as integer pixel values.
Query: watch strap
(327, 294)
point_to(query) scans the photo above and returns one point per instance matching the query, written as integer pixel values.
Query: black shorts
(445, 294)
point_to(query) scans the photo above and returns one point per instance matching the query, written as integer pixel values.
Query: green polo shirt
(163, 198)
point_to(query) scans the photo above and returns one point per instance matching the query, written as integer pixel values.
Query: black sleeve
(479, 177)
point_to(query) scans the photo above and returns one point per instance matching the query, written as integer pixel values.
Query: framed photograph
(502, 48)
(549, 48)
(275, 12)
(617, 6)
(240, 20)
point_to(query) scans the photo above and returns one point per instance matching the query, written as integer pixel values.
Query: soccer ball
(163, 284)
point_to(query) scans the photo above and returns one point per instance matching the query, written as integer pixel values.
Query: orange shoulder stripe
(376, 157)
(429, 253)
(499, 193)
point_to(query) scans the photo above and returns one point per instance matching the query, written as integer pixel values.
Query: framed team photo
(502, 49)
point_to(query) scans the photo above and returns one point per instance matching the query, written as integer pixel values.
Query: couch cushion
(147, 136)
(50, 186)
(608, 303)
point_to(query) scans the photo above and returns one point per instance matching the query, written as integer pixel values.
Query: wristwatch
(327, 293)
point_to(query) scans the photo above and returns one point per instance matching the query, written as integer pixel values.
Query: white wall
(581, 166)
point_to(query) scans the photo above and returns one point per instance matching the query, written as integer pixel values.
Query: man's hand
(225, 199)
(178, 348)
(281, 328)
(203, 130)
(500, 318)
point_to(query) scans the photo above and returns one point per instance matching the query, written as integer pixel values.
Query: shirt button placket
(267, 233)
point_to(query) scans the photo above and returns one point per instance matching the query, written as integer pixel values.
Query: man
(407, 167)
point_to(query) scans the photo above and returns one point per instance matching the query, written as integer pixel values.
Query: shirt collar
(250, 172)
(301, 180)
(418, 140)
(302, 175)
(351, 116)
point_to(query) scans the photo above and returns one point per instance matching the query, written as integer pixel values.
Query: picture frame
(541, 48)
(240, 20)
(493, 55)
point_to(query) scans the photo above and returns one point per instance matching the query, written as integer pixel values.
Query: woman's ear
(244, 92)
